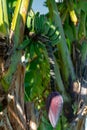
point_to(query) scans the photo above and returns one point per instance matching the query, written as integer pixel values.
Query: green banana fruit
(55, 36)
(51, 31)
(46, 28)
(36, 23)
(42, 20)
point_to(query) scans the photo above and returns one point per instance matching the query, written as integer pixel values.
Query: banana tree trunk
(18, 115)
(14, 114)
(13, 117)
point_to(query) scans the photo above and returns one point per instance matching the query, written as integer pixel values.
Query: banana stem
(52, 66)
(82, 25)
(67, 66)
(55, 74)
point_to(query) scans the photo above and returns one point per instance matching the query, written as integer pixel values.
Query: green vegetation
(28, 34)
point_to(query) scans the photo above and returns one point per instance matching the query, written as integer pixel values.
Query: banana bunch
(41, 26)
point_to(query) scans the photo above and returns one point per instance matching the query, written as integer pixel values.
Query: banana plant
(53, 47)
